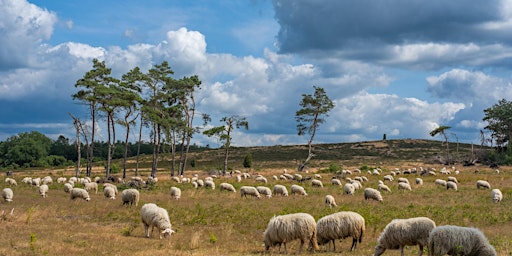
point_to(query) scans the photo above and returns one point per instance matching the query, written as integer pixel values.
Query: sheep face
(166, 233)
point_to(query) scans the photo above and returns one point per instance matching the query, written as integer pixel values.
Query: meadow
(210, 222)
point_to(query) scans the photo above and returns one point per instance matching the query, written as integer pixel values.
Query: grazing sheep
(483, 184)
(440, 182)
(451, 185)
(317, 176)
(403, 180)
(401, 232)
(264, 191)
(280, 190)
(340, 225)
(110, 185)
(453, 179)
(371, 193)
(249, 190)
(200, 183)
(130, 196)
(238, 178)
(383, 187)
(11, 181)
(7, 194)
(349, 189)
(296, 189)
(388, 178)
(68, 187)
(336, 182)
(357, 184)
(61, 180)
(154, 216)
(227, 186)
(285, 228)
(109, 192)
(419, 181)
(209, 184)
(329, 201)
(175, 193)
(91, 186)
(317, 183)
(47, 180)
(79, 193)
(455, 240)
(43, 190)
(404, 186)
(496, 195)
(36, 182)
(261, 179)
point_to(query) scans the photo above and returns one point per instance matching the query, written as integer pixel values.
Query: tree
(223, 132)
(314, 108)
(442, 130)
(25, 150)
(499, 122)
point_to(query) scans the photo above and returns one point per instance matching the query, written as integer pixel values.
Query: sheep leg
(146, 231)
(285, 250)
(301, 244)
(333, 245)
(421, 250)
(401, 250)
(354, 244)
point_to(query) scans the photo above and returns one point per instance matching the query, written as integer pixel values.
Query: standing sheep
(249, 190)
(285, 228)
(175, 193)
(209, 184)
(91, 186)
(335, 181)
(317, 183)
(109, 192)
(11, 181)
(401, 232)
(296, 189)
(227, 187)
(455, 240)
(280, 190)
(7, 194)
(404, 186)
(43, 190)
(451, 185)
(483, 184)
(130, 196)
(79, 193)
(371, 193)
(264, 191)
(329, 201)
(496, 195)
(340, 225)
(154, 216)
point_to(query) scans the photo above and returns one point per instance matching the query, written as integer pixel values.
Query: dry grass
(209, 222)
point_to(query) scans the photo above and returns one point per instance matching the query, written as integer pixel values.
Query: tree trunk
(138, 147)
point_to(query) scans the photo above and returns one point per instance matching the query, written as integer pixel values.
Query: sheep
(264, 191)
(329, 201)
(79, 193)
(401, 232)
(336, 182)
(11, 181)
(109, 192)
(483, 184)
(227, 187)
(340, 225)
(110, 185)
(238, 178)
(68, 187)
(154, 216)
(317, 183)
(453, 179)
(317, 176)
(7, 194)
(296, 189)
(419, 181)
(388, 178)
(175, 193)
(403, 180)
(404, 186)
(130, 196)
(349, 189)
(383, 187)
(209, 184)
(451, 185)
(371, 193)
(91, 186)
(47, 180)
(200, 183)
(455, 240)
(279, 190)
(249, 190)
(496, 195)
(36, 182)
(43, 189)
(261, 179)
(440, 182)
(61, 180)
(285, 228)
(357, 185)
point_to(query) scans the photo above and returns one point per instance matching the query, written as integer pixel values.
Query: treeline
(34, 149)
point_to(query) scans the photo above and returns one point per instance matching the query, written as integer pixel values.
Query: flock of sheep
(421, 231)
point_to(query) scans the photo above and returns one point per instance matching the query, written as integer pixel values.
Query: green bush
(248, 161)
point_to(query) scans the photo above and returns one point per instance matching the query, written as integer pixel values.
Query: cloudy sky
(396, 67)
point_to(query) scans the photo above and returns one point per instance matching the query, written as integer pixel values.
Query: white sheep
(249, 190)
(453, 179)
(79, 193)
(11, 181)
(383, 187)
(261, 179)
(47, 180)
(317, 183)
(7, 194)
(388, 178)
(371, 193)
(110, 185)
(330, 201)
(451, 185)
(496, 195)
(61, 180)
(264, 191)
(285, 228)
(349, 189)
(401, 232)
(130, 196)
(43, 190)
(154, 216)
(209, 184)
(109, 192)
(440, 182)
(403, 180)
(336, 182)
(68, 187)
(340, 225)
(483, 184)
(91, 186)
(36, 182)
(226, 186)
(419, 181)
(279, 190)
(404, 186)
(455, 240)
(296, 189)
(175, 193)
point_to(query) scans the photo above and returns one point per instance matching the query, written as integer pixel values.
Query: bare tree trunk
(138, 147)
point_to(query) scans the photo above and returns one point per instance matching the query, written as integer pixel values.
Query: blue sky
(397, 67)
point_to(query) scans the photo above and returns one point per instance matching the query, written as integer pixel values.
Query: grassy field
(209, 222)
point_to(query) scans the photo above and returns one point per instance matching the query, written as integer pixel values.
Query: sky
(397, 67)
